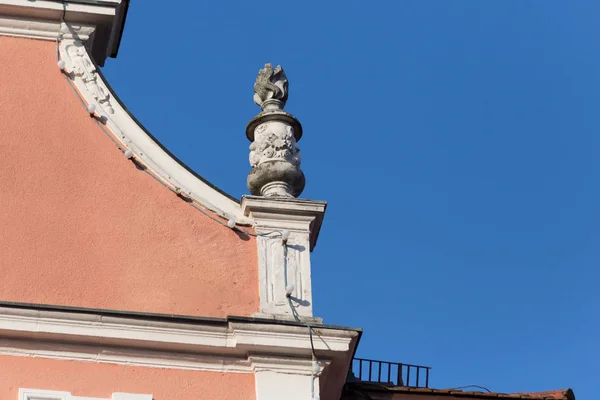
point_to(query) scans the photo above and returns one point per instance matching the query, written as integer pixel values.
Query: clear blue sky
(458, 146)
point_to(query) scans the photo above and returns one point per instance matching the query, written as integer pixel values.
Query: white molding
(279, 355)
(40, 394)
(293, 214)
(227, 347)
(119, 356)
(288, 366)
(177, 336)
(131, 396)
(44, 30)
(37, 394)
(45, 8)
(132, 136)
(38, 17)
(292, 380)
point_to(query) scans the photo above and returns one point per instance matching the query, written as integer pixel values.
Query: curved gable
(84, 226)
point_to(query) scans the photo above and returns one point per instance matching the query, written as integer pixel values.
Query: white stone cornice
(107, 354)
(293, 338)
(278, 354)
(290, 214)
(189, 345)
(39, 20)
(50, 9)
(44, 30)
(300, 366)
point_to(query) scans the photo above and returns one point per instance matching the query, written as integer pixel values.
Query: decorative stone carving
(86, 70)
(270, 252)
(274, 153)
(270, 145)
(121, 125)
(271, 87)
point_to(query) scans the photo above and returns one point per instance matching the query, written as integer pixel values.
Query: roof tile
(563, 394)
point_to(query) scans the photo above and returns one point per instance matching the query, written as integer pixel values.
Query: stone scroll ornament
(87, 71)
(274, 133)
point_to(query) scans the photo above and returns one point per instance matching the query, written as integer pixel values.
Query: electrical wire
(194, 203)
(297, 317)
(470, 386)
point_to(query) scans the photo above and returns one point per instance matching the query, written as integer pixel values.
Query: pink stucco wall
(101, 380)
(80, 225)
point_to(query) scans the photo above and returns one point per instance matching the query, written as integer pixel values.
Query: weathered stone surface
(276, 179)
(274, 153)
(271, 87)
(274, 141)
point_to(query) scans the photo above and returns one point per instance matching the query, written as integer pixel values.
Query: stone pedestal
(302, 218)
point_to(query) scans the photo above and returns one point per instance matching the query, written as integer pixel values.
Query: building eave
(234, 344)
(171, 318)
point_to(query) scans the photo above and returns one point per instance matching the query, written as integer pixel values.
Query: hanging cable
(193, 202)
(289, 289)
(471, 386)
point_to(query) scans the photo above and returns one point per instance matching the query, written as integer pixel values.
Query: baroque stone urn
(274, 133)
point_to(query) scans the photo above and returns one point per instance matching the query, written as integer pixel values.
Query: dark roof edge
(378, 387)
(147, 132)
(115, 313)
(122, 17)
(175, 318)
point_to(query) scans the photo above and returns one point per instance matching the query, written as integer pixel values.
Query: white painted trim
(39, 394)
(292, 214)
(125, 130)
(119, 356)
(228, 347)
(272, 385)
(106, 14)
(278, 355)
(44, 30)
(94, 328)
(131, 396)
(288, 366)
(45, 7)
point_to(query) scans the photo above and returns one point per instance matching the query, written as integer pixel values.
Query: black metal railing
(397, 374)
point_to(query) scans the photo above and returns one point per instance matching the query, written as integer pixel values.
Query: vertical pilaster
(290, 379)
(302, 219)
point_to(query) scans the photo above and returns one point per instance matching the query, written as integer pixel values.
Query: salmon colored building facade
(125, 274)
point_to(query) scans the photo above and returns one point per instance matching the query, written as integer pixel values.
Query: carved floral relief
(269, 145)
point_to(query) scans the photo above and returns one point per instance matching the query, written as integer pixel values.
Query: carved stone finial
(274, 153)
(271, 88)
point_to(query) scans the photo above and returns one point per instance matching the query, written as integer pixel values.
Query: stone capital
(294, 215)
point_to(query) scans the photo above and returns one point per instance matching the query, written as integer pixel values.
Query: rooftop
(381, 391)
